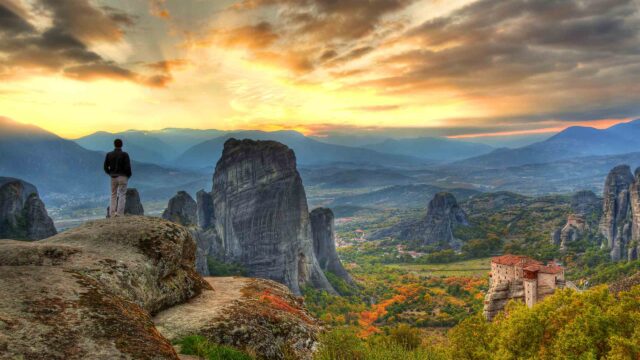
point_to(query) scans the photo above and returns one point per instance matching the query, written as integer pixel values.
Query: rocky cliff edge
(91, 292)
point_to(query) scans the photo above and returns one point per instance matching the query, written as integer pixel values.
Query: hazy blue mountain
(353, 178)
(353, 140)
(400, 196)
(183, 139)
(435, 148)
(570, 143)
(510, 141)
(140, 145)
(308, 151)
(560, 177)
(62, 168)
(156, 146)
(368, 137)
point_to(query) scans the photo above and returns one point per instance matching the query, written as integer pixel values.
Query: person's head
(117, 143)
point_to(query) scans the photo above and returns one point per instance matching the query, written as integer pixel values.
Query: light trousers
(118, 195)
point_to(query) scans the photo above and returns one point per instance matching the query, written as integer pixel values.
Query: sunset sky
(424, 67)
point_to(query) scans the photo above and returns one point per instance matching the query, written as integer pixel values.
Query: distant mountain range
(433, 148)
(308, 151)
(570, 143)
(191, 148)
(60, 167)
(156, 147)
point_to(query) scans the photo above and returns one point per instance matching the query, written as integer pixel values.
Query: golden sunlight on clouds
(81, 66)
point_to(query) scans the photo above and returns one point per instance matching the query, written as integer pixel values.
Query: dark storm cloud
(493, 43)
(10, 22)
(64, 47)
(576, 59)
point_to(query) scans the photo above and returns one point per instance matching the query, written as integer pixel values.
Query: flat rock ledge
(261, 317)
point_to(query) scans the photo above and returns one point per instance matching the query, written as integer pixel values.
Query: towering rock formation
(261, 214)
(132, 205)
(615, 224)
(206, 215)
(634, 247)
(182, 209)
(22, 213)
(436, 228)
(585, 208)
(324, 245)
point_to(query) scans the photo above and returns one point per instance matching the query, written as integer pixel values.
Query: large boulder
(182, 209)
(324, 245)
(90, 291)
(615, 223)
(261, 214)
(23, 215)
(132, 205)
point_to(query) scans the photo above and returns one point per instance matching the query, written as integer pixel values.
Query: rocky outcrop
(261, 214)
(206, 215)
(227, 316)
(182, 209)
(91, 292)
(324, 245)
(634, 198)
(435, 229)
(585, 208)
(199, 218)
(132, 205)
(617, 222)
(22, 214)
(499, 294)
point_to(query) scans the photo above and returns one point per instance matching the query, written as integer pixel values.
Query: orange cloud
(158, 8)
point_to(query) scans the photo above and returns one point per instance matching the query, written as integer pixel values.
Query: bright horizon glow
(394, 66)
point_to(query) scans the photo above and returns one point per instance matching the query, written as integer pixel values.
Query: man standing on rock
(118, 166)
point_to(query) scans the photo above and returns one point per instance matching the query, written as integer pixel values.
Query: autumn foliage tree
(567, 325)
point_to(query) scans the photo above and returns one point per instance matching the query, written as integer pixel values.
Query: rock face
(227, 316)
(88, 292)
(182, 209)
(261, 214)
(585, 208)
(132, 205)
(22, 213)
(91, 292)
(499, 294)
(206, 215)
(616, 222)
(324, 245)
(436, 228)
(634, 247)
(199, 218)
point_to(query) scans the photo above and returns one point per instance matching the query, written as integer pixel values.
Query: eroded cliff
(22, 214)
(261, 214)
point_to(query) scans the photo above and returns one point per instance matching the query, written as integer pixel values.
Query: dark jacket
(117, 163)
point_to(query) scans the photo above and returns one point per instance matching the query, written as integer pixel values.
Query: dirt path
(185, 319)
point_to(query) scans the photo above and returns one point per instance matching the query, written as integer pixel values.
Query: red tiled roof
(511, 260)
(546, 269)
